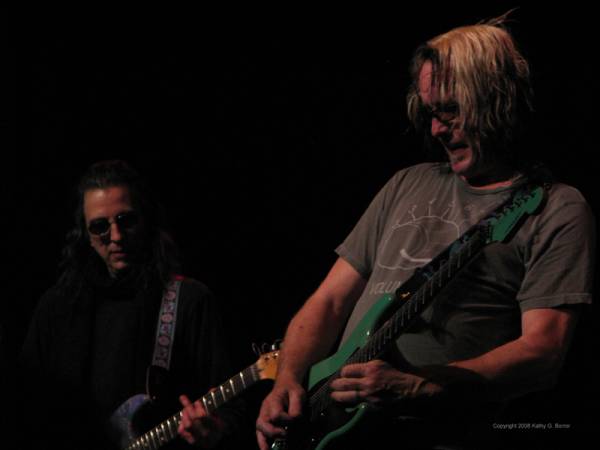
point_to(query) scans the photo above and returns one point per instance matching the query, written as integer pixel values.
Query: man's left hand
(197, 426)
(378, 383)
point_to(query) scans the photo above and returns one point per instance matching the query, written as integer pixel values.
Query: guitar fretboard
(413, 306)
(166, 431)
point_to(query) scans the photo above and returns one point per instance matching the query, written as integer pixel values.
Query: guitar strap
(157, 372)
(165, 329)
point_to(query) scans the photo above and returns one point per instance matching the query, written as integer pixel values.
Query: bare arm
(314, 329)
(529, 363)
(309, 337)
(532, 361)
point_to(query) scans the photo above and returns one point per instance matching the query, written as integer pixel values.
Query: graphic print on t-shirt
(413, 243)
(418, 237)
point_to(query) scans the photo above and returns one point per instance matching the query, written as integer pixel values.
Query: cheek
(98, 246)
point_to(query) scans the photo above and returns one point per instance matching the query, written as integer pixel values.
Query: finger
(199, 409)
(349, 397)
(269, 429)
(184, 400)
(346, 384)
(296, 401)
(188, 437)
(186, 420)
(262, 440)
(353, 371)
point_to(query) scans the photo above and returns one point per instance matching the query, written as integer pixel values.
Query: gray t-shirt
(423, 209)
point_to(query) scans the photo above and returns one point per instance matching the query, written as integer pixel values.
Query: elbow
(548, 362)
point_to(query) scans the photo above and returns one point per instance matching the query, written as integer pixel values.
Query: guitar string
(321, 399)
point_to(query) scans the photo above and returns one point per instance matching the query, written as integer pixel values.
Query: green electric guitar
(389, 318)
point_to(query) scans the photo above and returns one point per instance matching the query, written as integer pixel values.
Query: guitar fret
(214, 402)
(254, 374)
(155, 440)
(231, 383)
(243, 381)
(159, 438)
(239, 382)
(223, 393)
(174, 424)
(164, 437)
(166, 429)
(205, 403)
(220, 397)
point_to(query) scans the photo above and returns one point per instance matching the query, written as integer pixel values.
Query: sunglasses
(446, 114)
(125, 221)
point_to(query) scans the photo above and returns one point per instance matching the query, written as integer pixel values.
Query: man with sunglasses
(504, 326)
(91, 341)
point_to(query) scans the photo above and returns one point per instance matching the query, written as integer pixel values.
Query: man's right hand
(282, 406)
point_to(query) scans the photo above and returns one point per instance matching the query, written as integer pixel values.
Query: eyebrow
(450, 106)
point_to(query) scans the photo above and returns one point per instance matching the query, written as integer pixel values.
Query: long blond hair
(480, 69)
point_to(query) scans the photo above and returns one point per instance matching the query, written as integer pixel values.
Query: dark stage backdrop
(265, 140)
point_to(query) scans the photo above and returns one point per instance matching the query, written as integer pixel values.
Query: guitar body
(357, 339)
(120, 425)
(336, 421)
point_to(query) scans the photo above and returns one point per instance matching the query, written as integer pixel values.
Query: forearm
(511, 370)
(529, 363)
(314, 329)
(309, 338)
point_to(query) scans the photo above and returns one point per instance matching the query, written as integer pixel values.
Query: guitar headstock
(267, 365)
(505, 222)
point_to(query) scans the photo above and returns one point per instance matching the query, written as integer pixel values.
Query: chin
(119, 268)
(462, 166)
(462, 161)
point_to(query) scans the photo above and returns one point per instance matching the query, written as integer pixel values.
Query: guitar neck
(445, 267)
(415, 303)
(166, 431)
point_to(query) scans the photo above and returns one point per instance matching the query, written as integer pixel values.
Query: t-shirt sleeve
(560, 263)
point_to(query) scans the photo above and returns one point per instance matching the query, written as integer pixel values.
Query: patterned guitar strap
(165, 334)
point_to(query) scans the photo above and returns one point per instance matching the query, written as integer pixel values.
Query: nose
(115, 232)
(438, 127)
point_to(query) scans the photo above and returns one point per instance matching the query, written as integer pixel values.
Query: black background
(265, 134)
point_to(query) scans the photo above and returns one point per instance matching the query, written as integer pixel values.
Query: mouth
(118, 254)
(456, 146)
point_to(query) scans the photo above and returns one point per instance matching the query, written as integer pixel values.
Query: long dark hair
(160, 256)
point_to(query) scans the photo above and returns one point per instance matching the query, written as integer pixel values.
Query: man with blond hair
(505, 326)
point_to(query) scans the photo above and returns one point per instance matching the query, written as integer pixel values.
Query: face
(461, 149)
(113, 226)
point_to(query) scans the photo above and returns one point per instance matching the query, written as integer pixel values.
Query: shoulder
(565, 217)
(53, 300)
(568, 203)
(193, 287)
(424, 171)
(52, 308)
(194, 294)
(561, 193)
(419, 179)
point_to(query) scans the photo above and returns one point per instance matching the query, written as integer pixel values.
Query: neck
(489, 185)
(499, 177)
